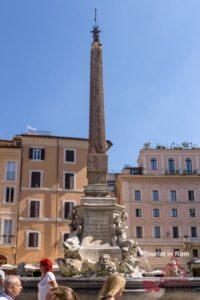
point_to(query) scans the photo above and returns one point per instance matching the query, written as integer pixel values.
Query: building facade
(10, 164)
(41, 178)
(53, 176)
(162, 199)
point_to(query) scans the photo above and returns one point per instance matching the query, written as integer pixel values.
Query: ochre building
(41, 178)
(10, 164)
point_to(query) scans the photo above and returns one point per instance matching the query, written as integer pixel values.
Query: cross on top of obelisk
(96, 31)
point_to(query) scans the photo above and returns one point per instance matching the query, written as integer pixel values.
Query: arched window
(153, 164)
(188, 163)
(171, 166)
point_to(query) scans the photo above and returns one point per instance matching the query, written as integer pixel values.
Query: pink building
(162, 199)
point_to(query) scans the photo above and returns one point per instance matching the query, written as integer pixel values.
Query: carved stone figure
(121, 231)
(76, 225)
(105, 266)
(130, 263)
(71, 265)
(71, 248)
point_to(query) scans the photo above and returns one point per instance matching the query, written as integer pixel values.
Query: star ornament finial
(96, 31)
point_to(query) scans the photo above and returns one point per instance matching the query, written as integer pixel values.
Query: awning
(29, 267)
(8, 267)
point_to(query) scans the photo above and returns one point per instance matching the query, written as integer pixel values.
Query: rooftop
(173, 146)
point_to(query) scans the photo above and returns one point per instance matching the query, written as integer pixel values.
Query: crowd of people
(48, 289)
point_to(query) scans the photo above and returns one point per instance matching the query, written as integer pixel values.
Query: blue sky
(151, 54)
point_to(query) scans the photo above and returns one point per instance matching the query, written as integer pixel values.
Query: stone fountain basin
(88, 288)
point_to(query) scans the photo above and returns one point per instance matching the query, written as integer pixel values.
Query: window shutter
(12, 195)
(32, 210)
(30, 153)
(42, 154)
(33, 239)
(71, 181)
(30, 240)
(66, 210)
(7, 194)
(37, 209)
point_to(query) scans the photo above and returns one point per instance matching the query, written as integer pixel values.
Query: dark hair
(47, 264)
(64, 293)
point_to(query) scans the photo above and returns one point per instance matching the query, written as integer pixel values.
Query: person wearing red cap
(48, 280)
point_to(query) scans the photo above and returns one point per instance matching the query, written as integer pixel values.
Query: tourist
(61, 293)
(48, 280)
(12, 288)
(113, 287)
(2, 278)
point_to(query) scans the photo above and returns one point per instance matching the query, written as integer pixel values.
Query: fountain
(98, 243)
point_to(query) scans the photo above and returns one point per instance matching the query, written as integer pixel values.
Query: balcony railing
(6, 239)
(182, 172)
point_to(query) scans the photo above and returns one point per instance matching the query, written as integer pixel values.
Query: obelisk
(97, 163)
(97, 208)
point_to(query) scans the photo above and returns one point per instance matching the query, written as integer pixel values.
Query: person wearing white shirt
(2, 278)
(12, 288)
(48, 280)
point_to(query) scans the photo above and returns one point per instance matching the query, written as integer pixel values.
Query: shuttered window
(69, 181)
(9, 195)
(36, 153)
(69, 156)
(33, 239)
(35, 179)
(34, 209)
(68, 208)
(139, 232)
(175, 232)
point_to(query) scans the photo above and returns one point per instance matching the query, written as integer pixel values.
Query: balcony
(6, 239)
(182, 172)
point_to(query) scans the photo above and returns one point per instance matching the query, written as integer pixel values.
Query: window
(138, 212)
(137, 195)
(10, 170)
(193, 232)
(34, 209)
(176, 252)
(191, 195)
(153, 164)
(69, 181)
(158, 252)
(9, 195)
(195, 252)
(68, 210)
(192, 212)
(171, 166)
(66, 235)
(139, 232)
(35, 179)
(155, 195)
(175, 232)
(33, 239)
(7, 231)
(188, 164)
(157, 232)
(69, 155)
(156, 212)
(174, 212)
(36, 153)
(173, 196)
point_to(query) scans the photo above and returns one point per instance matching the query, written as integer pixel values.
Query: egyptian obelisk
(97, 165)
(97, 208)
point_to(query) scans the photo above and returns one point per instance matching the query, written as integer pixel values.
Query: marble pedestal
(98, 237)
